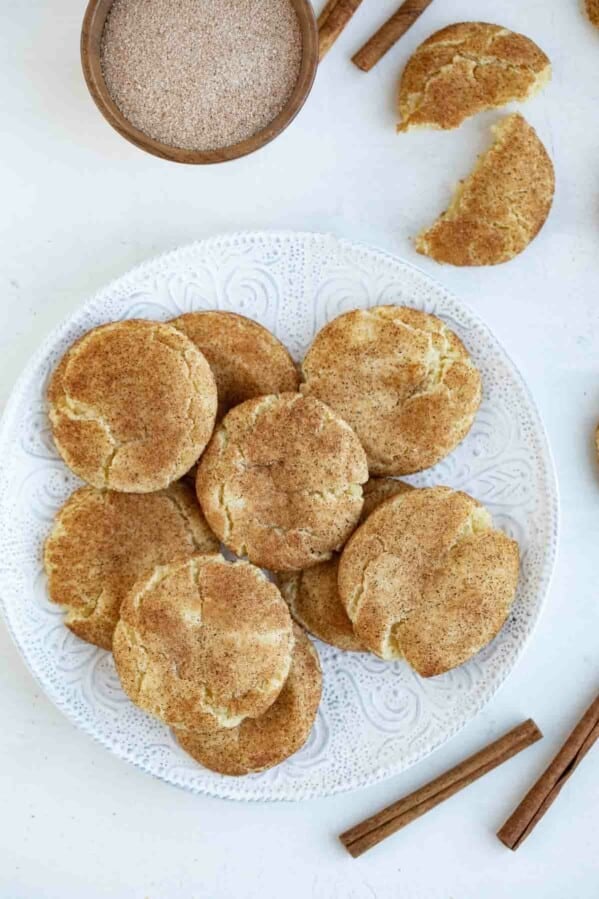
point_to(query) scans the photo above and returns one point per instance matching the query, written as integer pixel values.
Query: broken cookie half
(501, 206)
(593, 11)
(466, 68)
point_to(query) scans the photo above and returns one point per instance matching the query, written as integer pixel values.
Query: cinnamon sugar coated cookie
(427, 578)
(132, 406)
(261, 743)
(245, 358)
(101, 542)
(313, 596)
(313, 599)
(204, 643)
(465, 68)
(401, 378)
(377, 490)
(592, 7)
(281, 481)
(501, 206)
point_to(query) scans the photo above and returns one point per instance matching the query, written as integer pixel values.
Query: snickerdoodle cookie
(465, 68)
(401, 378)
(377, 490)
(281, 481)
(313, 596)
(593, 11)
(313, 599)
(501, 206)
(261, 743)
(203, 643)
(132, 406)
(427, 578)
(245, 358)
(102, 542)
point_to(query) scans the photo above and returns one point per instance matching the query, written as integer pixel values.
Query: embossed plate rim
(226, 787)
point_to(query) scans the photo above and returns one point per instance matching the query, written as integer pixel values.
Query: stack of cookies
(295, 473)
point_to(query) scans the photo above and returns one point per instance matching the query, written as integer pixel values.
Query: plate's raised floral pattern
(376, 719)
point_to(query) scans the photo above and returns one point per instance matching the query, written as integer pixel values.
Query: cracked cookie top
(401, 378)
(466, 68)
(313, 596)
(427, 578)
(501, 206)
(281, 481)
(261, 743)
(246, 359)
(102, 542)
(204, 643)
(132, 406)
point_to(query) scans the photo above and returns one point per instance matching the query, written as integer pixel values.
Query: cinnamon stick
(389, 33)
(369, 833)
(538, 800)
(333, 23)
(325, 12)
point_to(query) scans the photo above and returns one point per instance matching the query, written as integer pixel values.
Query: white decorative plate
(376, 719)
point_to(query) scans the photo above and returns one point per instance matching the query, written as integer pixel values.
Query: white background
(79, 206)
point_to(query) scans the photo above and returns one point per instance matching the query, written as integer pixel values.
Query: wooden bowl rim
(92, 70)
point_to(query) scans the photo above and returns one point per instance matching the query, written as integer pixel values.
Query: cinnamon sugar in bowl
(199, 81)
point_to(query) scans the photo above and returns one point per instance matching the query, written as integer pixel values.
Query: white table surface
(79, 206)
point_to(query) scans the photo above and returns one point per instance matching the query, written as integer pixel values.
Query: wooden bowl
(91, 39)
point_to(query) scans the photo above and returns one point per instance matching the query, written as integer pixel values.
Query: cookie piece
(246, 359)
(132, 406)
(313, 596)
(592, 7)
(401, 378)
(501, 206)
(261, 743)
(428, 579)
(102, 542)
(466, 68)
(281, 481)
(204, 643)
